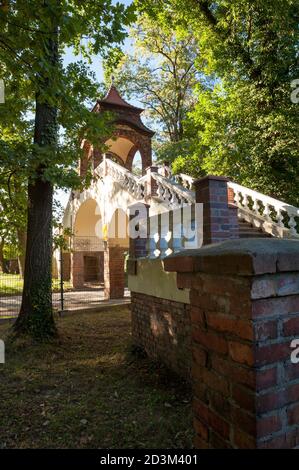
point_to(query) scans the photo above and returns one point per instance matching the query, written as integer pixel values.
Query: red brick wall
(162, 328)
(244, 314)
(114, 272)
(77, 267)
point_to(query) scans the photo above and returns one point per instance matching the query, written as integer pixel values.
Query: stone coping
(244, 257)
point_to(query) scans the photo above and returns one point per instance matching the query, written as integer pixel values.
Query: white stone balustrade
(124, 177)
(272, 216)
(172, 193)
(266, 213)
(184, 180)
(161, 236)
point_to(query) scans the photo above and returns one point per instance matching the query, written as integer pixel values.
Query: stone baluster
(256, 206)
(293, 224)
(279, 214)
(238, 199)
(157, 235)
(169, 235)
(174, 200)
(267, 212)
(245, 201)
(160, 190)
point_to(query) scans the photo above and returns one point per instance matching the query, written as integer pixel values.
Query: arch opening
(137, 164)
(119, 148)
(87, 257)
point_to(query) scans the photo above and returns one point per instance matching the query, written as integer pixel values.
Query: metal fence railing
(77, 278)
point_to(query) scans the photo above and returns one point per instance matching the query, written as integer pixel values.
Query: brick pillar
(114, 272)
(77, 269)
(151, 184)
(219, 217)
(146, 153)
(244, 315)
(138, 246)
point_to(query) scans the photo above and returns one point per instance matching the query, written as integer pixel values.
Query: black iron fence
(77, 277)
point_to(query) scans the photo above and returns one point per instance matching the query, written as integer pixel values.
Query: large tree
(161, 71)
(33, 37)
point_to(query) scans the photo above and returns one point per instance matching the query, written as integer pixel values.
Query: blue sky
(97, 67)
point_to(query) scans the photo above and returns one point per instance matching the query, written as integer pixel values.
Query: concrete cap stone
(243, 257)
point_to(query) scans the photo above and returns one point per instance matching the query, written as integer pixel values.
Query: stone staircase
(260, 216)
(247, 230)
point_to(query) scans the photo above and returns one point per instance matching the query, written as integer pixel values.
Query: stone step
(249, 229)
(246, 230)
(254, 235)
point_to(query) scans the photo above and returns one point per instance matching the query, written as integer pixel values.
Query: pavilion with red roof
(129, 137)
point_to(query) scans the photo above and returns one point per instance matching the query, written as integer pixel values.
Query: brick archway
(141, 143)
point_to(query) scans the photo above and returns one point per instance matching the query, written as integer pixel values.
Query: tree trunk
(36, 314)
(3, 263)
(22, 237)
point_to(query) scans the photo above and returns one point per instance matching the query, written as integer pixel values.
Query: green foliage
(244, 124)
(161, 74)
(61, 238)
(248, 125)
(88, 28)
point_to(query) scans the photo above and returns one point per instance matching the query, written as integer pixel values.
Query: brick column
(146, 152)
(244, 315)
(77, 269)
(151, 184)
(138, 246)
(219, 217)
(114, 272)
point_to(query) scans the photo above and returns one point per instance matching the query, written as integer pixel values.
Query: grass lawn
(12, 284)
(88, 389)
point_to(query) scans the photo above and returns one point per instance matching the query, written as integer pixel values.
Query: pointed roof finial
(112, 79)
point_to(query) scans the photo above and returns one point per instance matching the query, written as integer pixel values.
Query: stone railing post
(151, 184)
(244, 297)
(220, 220)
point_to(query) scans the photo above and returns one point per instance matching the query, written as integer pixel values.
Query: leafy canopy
(245, 125)
(88, 28)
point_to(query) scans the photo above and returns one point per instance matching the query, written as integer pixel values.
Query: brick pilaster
(138, 246)
(244, 297)
(114, 272)
(151, 184)
(220, 220)
(77, 269)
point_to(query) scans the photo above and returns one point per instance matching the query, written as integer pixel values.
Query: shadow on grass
(90, 389)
